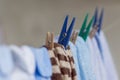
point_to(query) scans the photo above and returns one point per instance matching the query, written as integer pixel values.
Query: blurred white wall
(27, 21)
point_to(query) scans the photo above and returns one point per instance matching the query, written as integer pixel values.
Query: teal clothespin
(84, 31)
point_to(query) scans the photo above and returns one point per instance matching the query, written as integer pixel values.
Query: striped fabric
(72, 63)
(66, 61)
(56, 73)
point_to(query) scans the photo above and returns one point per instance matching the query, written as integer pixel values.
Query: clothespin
(74, 37)
(93, 31)
(84, 31)
(49, 40)
(65, 34)
(97, 21)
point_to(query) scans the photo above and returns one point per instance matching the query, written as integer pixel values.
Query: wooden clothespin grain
(74, 37)
(49, 40)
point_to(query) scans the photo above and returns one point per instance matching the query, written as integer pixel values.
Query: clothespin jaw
(93, 31)
(100, 20)
(74, 37)
(95, 17)
(88, 29)
(97, 21)
(84, 32)
(81, 32)
(49, 40)
(65, 35)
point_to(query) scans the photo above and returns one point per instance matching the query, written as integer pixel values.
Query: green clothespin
(84, 31)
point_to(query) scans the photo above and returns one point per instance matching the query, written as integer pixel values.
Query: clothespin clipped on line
(98, 21)
(49, 40)
(66, 34)
(93, 31)
(84, 31)
(74, 37)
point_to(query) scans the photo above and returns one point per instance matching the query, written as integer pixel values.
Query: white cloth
(108, 61)
(18, 74)
(30, 67)
(94, 59)
(6, 62)
(102, 69)
(22, 64)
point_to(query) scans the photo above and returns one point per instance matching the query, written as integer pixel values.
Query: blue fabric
(43, 64)
(6, 61)
(84, 60)
(74, 53)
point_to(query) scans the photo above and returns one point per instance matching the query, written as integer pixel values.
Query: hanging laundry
(94, 59)
(75, 55)
(56, 72)
(22, 64)
(107, 58)
(82, 56)
(6, 63)
(101, 65)
(84, 60)
(66, 61)
(43, 65)
(30, 67)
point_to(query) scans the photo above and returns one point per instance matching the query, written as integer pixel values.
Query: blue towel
(74, 53)
(84, 60)
(43, 64)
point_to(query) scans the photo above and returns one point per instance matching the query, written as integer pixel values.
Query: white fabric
(94, 59)
(21, 64)
(18, 74)
(108, 61)
(102, 69)
(30, 59)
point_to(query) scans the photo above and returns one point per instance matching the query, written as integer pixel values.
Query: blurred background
(27, 21)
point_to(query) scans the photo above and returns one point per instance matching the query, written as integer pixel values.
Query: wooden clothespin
(49, 40)
(93, 31)
(74, 37)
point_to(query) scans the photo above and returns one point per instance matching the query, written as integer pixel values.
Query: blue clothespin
(97, 21)
(95, 17)
(65, 35)
(100, 20)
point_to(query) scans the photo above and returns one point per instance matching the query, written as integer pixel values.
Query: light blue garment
(108, 61)
(84, 60)
(43, 63)
(6, 62)
(74, 53)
